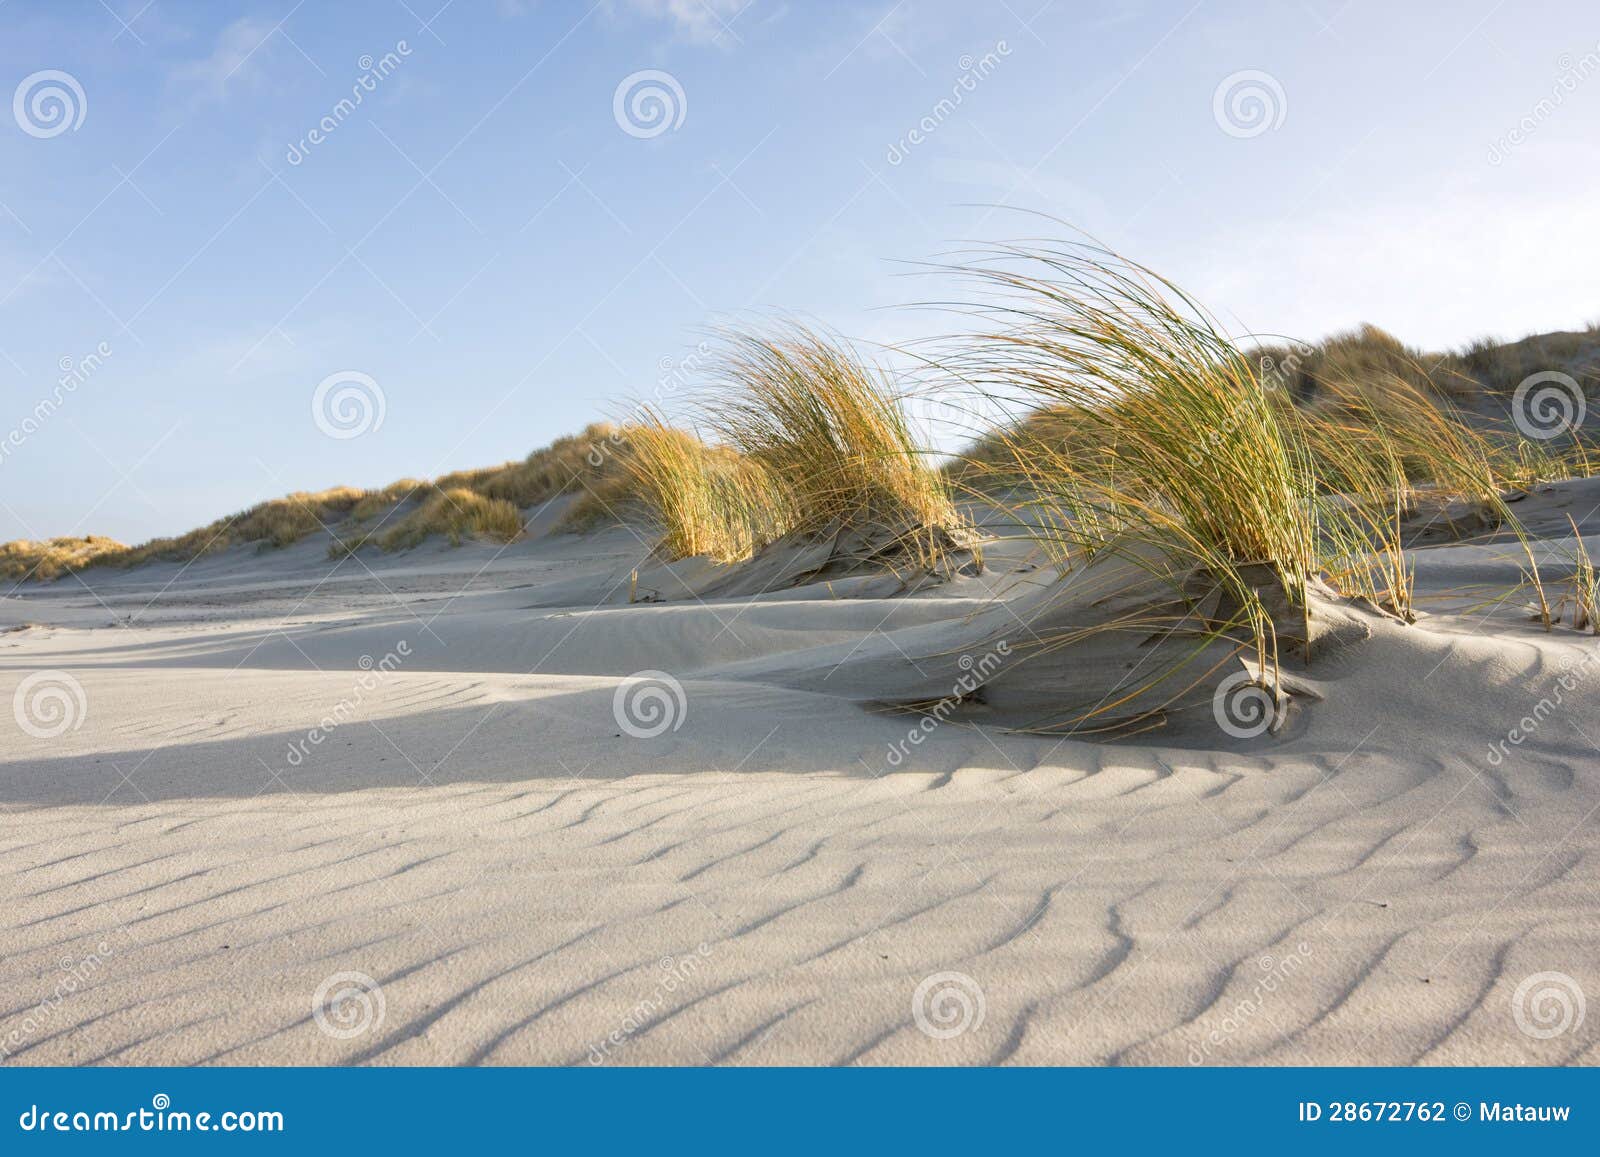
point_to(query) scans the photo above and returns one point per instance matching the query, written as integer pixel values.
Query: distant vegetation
(485, 502)
(1366, 368)
(1132, 410)
(53, 557)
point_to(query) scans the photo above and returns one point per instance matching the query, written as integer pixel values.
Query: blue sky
(484, 238)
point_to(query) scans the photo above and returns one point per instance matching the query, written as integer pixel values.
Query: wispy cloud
(238, 55)
(697, 21)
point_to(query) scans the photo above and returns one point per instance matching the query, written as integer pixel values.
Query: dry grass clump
(587, 465)
(1583, 595)
(1242, 482)
(1367, 359)
(1179, 436)
(1417, 445)
(1356, 373)
(707, 500)
(285, 521)
(828, 428)
(1387, 452)
(1374, 396)
(566, 465)
(1375, 357)
(987, 464)
(376, 502)
(457, 513)
(276, 523)
(53, 557)
(1501, 366)
(1165, 445)
(1341, 381)
(811, 440)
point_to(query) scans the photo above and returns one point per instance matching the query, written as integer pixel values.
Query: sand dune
(527, 875)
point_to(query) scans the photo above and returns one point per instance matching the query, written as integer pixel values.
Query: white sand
(763, 885)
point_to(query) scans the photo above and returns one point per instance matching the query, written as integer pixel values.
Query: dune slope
(515, 839)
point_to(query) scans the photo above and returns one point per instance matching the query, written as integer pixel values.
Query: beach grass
(706, 500)
(1148, 433)
(458, 514)
(829, 427)
(51, 558)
